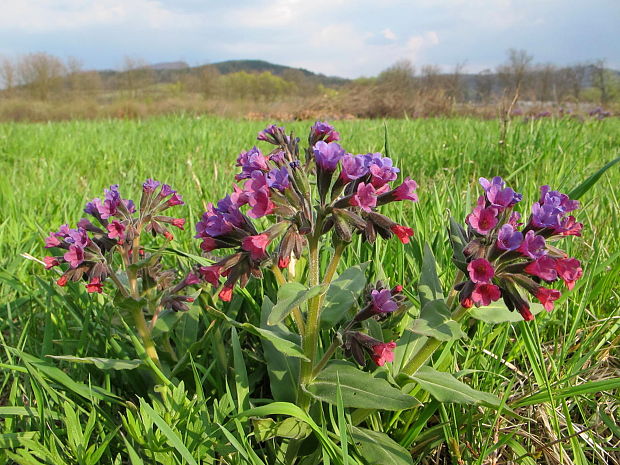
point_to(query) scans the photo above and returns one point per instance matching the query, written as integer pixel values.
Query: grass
(558, 374)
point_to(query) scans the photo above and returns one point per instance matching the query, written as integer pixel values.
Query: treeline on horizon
(40, 86)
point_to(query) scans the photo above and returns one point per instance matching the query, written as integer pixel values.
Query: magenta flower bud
(480, 271)
(211, 274)
(406, 191)
(50, 262)
(192, 279)
(51, 241)
(226, 293)
(321, 130)
(256, 245)
(95, 285)
(382, 301)
(381, 170)
(365, 198)
(175, 200)
(327, 155)
(383, 353)
(533, 245)
(569, 270)
(74, 256)
(484, 294)
(544, 268)
(250, 161)
(166, 190)
(547, 297)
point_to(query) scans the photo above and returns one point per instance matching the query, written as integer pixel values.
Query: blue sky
(347, 38)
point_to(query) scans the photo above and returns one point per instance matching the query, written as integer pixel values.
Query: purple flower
(277, 157)
(250, 161)
(166, 190)
(328, 155)
(78, 237)
(269, 134)
(93, 208)
(533, 245)
(381, 170)
(278, 179)
(260, 203)
(353, 167)
(321, 130)
(51, 241)
(557, 200)
(150, 185)
(220, 220)
(74, 256)
(176, 199)
(382, 301)
(365, 197)
(543, 267)
(508, 238)
(498, 195)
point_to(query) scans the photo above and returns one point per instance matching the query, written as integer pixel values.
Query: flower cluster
(504, 255)
(380, 302)
(349, 189)
(89, 249)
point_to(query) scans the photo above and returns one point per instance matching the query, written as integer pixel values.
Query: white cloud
(389, 34)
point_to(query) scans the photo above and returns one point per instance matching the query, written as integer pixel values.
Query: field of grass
(560, 374)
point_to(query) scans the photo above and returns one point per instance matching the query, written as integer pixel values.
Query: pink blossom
(484, 294)
(543, 267)
(383, 352)
(569, 270)
(547, 297)
(480, 271)
(402, 232)
(365, 198)
(256, 245)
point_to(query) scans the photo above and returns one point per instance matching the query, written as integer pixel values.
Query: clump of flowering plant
(504, 255)
(111, 251)
(314, 195)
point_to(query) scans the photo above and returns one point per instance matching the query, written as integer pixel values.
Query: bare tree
(514, 72)
(41, 74)
(544, 82)
(8, 75)
(136, 75)
(399, 77)
(604, 81)
(485, 82)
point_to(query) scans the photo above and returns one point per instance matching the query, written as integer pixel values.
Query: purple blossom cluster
(504, 255)
(88, 248)
(349, 189)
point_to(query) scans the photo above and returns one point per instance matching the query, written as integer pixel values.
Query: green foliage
(65, 400)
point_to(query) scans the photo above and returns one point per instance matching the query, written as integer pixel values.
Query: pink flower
(569, 270)
(544, 267)
(406, 191)
(116, 230)
(382, 301)
(178, 222)
(383, 352)
(50, 262)
(95, 285)
(226, 293)
(484, 294)
(365, 198)
(283, 262)
(547, 297)
(62, 281)
(175, 200)
(51, 241)
(74, 256)
(260, 202)
(211, 274)
(192, 279)
(482, 219)
(256, 245)
(402, 232)
(480, 271)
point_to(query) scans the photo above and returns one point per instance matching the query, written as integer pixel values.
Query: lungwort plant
(330, 337)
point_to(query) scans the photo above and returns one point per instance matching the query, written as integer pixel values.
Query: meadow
(558, 377)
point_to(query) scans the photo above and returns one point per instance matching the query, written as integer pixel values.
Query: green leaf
(282, 369)
(497, 312)
(101, 363)
(359, 388)
(241, 374)
(173, 439)
(292, 428)
(406, 347)
(342, 294)
(436, 321)
(283, 345)
(292, 295)
(585, 186)
(129, 303)
(458, 241)
(378, 448)
(446, 388)
(429, 287)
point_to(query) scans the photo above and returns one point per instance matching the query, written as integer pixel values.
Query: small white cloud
(388, 34)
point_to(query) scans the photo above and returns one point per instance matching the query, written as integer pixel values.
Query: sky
(348, 38)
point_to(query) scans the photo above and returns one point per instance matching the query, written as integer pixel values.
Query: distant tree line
(401, 89)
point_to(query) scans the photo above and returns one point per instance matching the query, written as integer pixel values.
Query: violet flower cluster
(89, 249)
(331, 191)
(505, 256)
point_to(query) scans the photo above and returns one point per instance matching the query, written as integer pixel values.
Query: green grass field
(559, 374)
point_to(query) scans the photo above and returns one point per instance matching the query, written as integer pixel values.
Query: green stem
(311, 333)
(326, 356)
(333, 264)
(145, 335)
